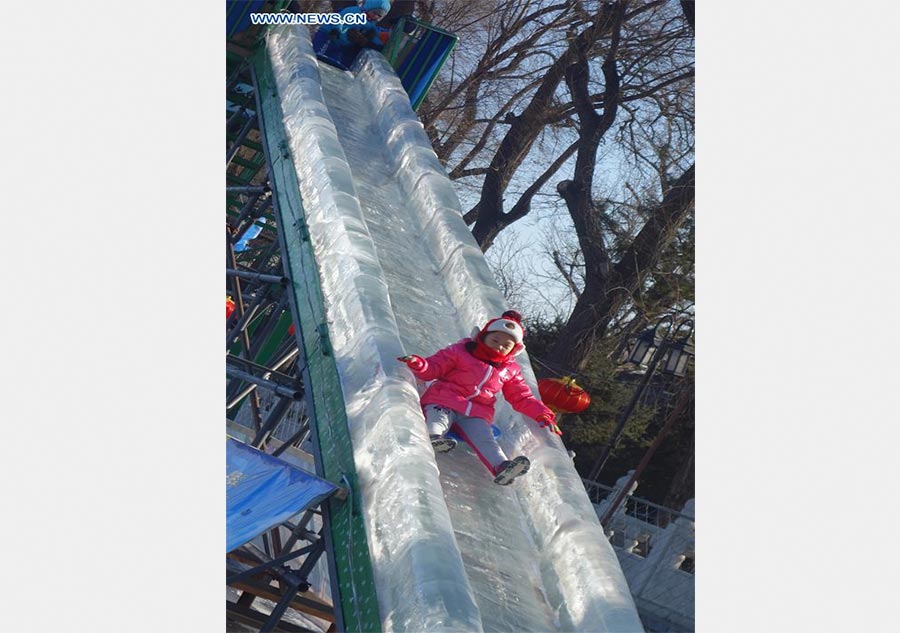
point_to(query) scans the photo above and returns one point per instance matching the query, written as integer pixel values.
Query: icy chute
(382, 265)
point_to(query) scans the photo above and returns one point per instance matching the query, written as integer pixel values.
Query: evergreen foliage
(669, 478)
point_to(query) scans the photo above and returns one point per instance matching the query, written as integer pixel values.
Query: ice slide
(382, 265)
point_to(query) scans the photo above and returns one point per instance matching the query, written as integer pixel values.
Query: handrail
(594, 486)
(417, 50)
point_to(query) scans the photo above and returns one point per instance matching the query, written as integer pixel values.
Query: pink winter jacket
(469, 386)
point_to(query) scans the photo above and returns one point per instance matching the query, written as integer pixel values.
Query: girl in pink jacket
(466, 376)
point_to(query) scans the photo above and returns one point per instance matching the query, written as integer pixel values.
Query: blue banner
(263, 491)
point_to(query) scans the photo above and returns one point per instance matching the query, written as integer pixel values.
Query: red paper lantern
(563, 395)
(229, 306)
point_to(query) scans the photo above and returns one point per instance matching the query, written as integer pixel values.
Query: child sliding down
(466, 376)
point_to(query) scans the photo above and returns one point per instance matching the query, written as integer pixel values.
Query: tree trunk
(682, 484)
(603, 297)
(525, 129)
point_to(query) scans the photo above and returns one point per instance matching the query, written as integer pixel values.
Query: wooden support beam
(305, 603)
(257, 618)
(238, 50)
(246, 600)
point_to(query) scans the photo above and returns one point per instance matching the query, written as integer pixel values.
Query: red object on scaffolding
(229, 306)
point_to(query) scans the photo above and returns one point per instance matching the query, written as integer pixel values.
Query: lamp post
(683, 402)
(649, 349)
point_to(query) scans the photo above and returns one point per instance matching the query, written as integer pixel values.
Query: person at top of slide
(369, 35)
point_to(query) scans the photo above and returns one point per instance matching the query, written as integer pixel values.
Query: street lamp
(650, 347)
(680, 351)
(683, 401)
(646, 343)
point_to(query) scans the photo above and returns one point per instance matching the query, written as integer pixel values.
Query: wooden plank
(246, 600)
(307, 602)
(257, 618)
(301, 602)
(276, 542)
(240, 51)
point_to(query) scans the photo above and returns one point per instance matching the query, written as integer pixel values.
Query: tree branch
(525, 129)
(566, 272)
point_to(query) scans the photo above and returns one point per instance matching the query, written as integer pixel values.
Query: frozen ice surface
(401, 273)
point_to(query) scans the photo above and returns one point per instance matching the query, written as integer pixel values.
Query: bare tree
(617, 75)
(505, 262)
(599, 93)
(608, 288)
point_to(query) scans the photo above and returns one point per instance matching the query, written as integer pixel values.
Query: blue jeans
(476, 432)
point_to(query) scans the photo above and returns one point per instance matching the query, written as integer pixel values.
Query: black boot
(442, 444)
(509, 470)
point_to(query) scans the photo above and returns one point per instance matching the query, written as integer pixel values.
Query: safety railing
(647, 518)
(655, 546)
(417, 50)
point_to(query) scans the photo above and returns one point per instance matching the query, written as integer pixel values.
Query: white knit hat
(507, 324)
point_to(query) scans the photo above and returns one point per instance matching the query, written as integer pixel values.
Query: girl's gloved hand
(546, 421)
(415, 363)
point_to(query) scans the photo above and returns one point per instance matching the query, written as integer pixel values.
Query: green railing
(417, 51)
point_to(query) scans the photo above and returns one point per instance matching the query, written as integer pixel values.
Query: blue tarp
(263, 491)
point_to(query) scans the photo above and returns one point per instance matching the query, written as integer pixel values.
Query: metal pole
(234, 396)
(281, 607)
(245, 338)
(623, 419)
(247, 220)
(245, 212)
(670, 422)
(248, 189)
(300, 436)
(262, 261)
(281, 390)
(232, 80)
(241, 325)
(286, 353)
(271, 422)
(318, 547)
(245, 130)
(259, 337)
(248, 573)
(239, 112)
(251, 275)
(300, 530)
(269, 371)
(268, 327)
